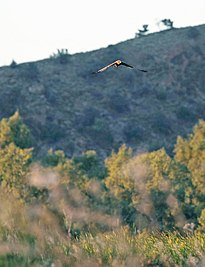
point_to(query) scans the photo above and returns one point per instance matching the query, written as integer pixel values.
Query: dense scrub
(146, 209)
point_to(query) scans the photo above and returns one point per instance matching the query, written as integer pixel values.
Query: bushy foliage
(146, 208)
(142, 32)
(160, 124)
(168, 23)
(185, 114)
(54, 158)
(115, 180)
(14, 167)
(29, 72)
(100, 133)
(161, 94)
(62, 56)
(15, 156)
(133, 133)
(14, 130)
(13, 64)
(191, 153)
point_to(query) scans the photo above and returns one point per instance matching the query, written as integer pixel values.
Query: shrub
(133, 133)
(62, 56)
(142, 32)
(118, 103)
(30, 72)
(86, 118)
(13, 64)
(100, 133)
(184, 113)
(160, 124)
(161, 94)
(168, 23)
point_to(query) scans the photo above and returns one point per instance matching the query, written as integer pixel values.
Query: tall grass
(122, 248)
(33, 236)
(39, 234)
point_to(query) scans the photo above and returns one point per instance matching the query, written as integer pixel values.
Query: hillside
(67, 107)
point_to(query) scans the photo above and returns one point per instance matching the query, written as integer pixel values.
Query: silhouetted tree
(62, 55)
(168, 23)
(13, 64)
(142, 32)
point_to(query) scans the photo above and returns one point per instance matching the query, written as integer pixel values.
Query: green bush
(161, 94)
(29, 72)
(133, 133)
(100, 133)
(185, 114)
(160, 124)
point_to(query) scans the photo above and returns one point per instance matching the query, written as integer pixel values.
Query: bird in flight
(117, 63)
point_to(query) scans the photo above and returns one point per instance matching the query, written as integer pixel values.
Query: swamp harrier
(118, 63)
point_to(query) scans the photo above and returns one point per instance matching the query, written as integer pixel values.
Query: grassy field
(32, 235)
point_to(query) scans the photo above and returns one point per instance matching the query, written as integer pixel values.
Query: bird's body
(117, 63)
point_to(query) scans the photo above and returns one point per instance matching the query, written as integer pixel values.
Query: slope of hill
(67, 107)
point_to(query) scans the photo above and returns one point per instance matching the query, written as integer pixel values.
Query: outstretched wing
(125, 64)
(118, 63)
(106, 67)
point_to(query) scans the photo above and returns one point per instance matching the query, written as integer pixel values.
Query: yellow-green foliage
(150, 170)
(191, 152)
(201, 220)
(14, 163)
(116, 180)
(34, 235)
(14, 130)
(130, 212)
(122, 248)
(158, 165)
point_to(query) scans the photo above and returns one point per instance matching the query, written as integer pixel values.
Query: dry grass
(34, 235)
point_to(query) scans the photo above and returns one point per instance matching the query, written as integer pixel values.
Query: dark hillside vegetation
(108, 169)
(66, 107)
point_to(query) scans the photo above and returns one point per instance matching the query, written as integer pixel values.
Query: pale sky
(31, 30)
